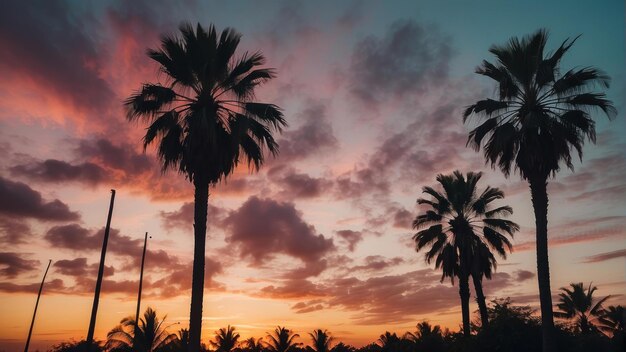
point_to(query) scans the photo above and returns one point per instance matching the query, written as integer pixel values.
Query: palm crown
(147, 336)
(579, 304)
(282, 340)
(204, 116)
(540, 115)
(449, 228)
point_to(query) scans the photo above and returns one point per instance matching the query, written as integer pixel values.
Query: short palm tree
(147, 336)
(390, 342)
(613, 319)
(225, 339)
(205, 120)
(538, 119)
(578, 304)
(253, 345)
(321, 340)
(461, 229)
(282, 340)
(427, 337)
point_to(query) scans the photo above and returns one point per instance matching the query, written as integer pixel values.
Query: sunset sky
(373, 93)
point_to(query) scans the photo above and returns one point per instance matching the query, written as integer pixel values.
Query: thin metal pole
(143, 259)
(96, 298)
(30, 331)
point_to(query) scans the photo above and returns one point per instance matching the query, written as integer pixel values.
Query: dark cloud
(178, 281)
(377, 263)
(600, 257)
(122, 157)
(183, 217)
(581, 230)
(13, 264)
(262, 228)
(308, 306)
(14, 231)
(351, 238)
(57, 171)
(78, 238)
(403, 219)
(52, 286)
(297, 185)
(408, 59)
(48, 43)
(315, 135)
(523, 275)
(19, 199)
(78, 267)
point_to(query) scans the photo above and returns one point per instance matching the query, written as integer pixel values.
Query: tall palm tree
(321, 340)
(282, 340)
(538, 119)
(148, 335)
(205, 121)
(225, 339)
(461, 229)
(580, 305)
(613, 319)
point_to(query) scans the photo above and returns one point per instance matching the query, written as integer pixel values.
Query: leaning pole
(143, 260)
(96, 298)
(32, 322)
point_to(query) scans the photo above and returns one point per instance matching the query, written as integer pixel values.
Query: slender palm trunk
(464, 292)
(480, 299)
(32, 322)
(201, 200)
(539, 197)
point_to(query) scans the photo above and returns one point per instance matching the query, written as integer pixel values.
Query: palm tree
(148, 335)
(461, 229)
(578, 304)
(282, 340)
(254, 345)
(390, 342)
(321, 340)
(205, 121)
(341, 347)
(225, 339)
(539, 118)
(427, 337)
(613, 319)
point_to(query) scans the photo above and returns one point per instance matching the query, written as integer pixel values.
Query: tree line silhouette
(204, 119)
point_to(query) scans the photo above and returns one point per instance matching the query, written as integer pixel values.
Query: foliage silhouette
(612, 319)
(341, 347)
(461, 230)
(147, 336)
(540, 116)
(282, 340)
(205, 121)
(321, 340)
(577, 304)
(225, 339)
(253, 345)
(427, 337)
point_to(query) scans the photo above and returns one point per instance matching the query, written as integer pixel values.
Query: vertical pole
(30, 331)
(96, 298)
(143, 259)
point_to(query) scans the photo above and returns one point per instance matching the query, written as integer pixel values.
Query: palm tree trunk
(201, 200)
(464, 292)
(480, 299)
(539, 196)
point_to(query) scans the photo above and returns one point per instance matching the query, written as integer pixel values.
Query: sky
(373, 93)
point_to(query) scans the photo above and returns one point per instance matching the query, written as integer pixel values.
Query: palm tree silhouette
(254, 345)
(282, 340)
(321, 340)
(538, 118)
(225, 339)
(427, 337)
(205, 121)
(578, 304)
(613, 319)
(461, 229)
(341, 347)
(148, 335)
(390, 342)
